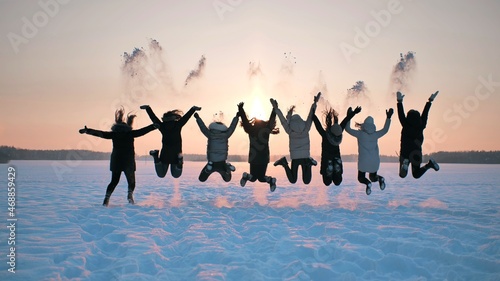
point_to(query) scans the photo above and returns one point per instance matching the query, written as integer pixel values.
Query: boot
(230, 167)
(282, 161)
(433, 164)
(312, 162)
(154, 153)
(130, 198)
(246, 176)
(368, 188)
(403, 170)
(272, 183)
(381, 182)
(105, 203)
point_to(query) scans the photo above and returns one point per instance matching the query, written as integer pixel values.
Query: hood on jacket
(334, 134)
(414, 119)
(368, 125)
(297, 124)
(121, 128)
(217, 127)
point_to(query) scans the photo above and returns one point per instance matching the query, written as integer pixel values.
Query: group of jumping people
(259, 131)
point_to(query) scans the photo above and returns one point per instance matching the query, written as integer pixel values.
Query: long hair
(331, 117)
(176, 114)
(259, 124)
(119, 117)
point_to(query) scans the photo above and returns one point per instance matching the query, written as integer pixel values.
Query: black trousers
(219, 167)
(292, 172)
(162, 169)
(335, 177)
(258, 172)
(415, 159)
(362, 177)
(115, 178)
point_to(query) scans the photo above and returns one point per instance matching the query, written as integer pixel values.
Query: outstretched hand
(197, 108)
(357, 110)
(240, 105)
(352, 112)
(196, 115)
(84, 130)
(274, 103)
(433, 96)
(316, 98)
(144, 106)
(389, 113)
(400, 96)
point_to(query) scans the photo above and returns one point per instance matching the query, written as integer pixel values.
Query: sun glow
(257, 106)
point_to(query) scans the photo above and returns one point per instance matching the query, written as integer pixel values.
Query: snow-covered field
(444, 226)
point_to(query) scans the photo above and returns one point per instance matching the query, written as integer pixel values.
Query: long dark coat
(123, 154)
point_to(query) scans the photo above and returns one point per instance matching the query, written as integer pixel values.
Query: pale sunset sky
(62, 67)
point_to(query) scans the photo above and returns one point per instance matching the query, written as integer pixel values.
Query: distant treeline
(473, 157)
(12, 153)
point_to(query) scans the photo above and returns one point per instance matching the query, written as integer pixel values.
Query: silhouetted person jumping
(171, 151)
(299, 143)
(331, 167)
(412, 138)
(123, 154)
(368, 152)
(258, 156)
(217, 135)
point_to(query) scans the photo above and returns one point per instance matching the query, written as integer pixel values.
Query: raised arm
(96, 133)
(318, 126)
(282, 118)
(188, 115)
(385, 129)
(387, 123)
(142, 131)
(151, 114)
(310, 117)
(425, 113)
(350, 131)
(244, 118)
(272, 119)
(202, 126)
(311, 112)
(350, 114)
(427, 107)
(401, 110)
(233, 125)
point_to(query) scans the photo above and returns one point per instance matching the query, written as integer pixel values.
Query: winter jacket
(218, 138)
(123, 154)
(298, 133)
(259, 138)
(329, 150)
(412, 133)
(171, 136)
(368, 152)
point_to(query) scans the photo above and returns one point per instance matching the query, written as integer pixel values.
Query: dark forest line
(12, 153)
